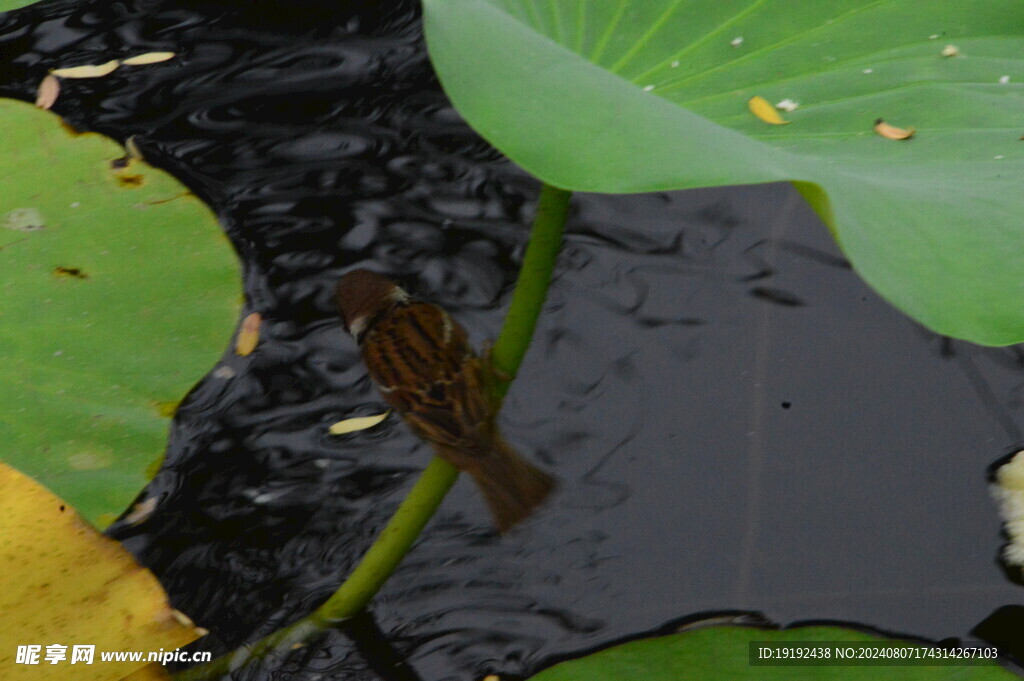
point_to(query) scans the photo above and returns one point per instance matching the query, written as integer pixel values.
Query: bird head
(362, 296)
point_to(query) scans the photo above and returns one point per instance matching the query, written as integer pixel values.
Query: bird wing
(422, 361)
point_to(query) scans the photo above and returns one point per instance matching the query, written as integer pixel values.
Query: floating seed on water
(358, 423)
(141, 511)
(49, 90)
(88, 70)
(249, 335)
(148, 58)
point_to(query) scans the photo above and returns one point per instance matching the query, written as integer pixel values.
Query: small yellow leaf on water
(142, 511)
(88, 71)
(49, 90)
(358, 423)
(762, 108)
(891, 132)
(148, 58)
(249, 335)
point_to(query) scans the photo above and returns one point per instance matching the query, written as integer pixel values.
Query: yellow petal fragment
(891, 132)
(358, 423)
(249, 335)
(88, 70)
(49, 90)
(148, 58)
(762, 108)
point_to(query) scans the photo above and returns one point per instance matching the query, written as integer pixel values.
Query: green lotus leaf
(7, 5)
(118, 292)
(723, 653)
(613, 96)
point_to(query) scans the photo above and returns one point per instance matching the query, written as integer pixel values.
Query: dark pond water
(736, 420)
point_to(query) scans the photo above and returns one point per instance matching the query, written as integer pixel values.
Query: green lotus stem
(531, 287)
(398, 536)
(393, 542)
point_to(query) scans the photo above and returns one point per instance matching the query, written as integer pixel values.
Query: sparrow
(422, 362)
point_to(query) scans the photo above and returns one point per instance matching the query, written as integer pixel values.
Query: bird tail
(512, 486)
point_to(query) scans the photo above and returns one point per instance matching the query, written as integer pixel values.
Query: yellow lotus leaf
(65, 585)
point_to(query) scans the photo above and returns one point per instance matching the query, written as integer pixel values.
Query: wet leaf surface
(933, 226)
(723, 653)
(113, 300)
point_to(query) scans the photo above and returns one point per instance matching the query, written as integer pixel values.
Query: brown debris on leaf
(48, 92)
(73, 272)
(891, 132)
